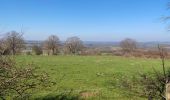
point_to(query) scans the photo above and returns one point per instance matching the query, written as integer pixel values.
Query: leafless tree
(73, 45)
(128, 45)
(14, 41)
(167, 17)
(52, 43)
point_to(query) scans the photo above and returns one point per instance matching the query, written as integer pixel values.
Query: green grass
(90, 73)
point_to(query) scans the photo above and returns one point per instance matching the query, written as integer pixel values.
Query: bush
(117, 53)
(153, 85)
(37, 50)
(60, 96)
(19, 82)
(91, 51)
(28, 53)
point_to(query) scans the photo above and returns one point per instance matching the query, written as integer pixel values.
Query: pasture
(91, 77)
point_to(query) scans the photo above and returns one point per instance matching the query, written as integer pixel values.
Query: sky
(90, 20)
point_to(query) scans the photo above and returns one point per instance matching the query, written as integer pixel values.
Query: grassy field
(92, 74)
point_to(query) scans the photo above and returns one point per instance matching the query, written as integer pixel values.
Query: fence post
(168, 91)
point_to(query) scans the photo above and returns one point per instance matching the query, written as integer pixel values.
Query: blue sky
(91, 20)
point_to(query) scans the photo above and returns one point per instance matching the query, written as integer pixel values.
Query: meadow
(93, 77)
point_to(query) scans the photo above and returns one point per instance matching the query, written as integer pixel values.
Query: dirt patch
(89, 94)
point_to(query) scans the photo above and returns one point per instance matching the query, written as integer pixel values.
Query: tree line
(13, 43)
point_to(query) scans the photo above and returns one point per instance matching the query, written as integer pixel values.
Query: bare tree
(128, 45)
(73, 45)
(52, 43)
(14, 41)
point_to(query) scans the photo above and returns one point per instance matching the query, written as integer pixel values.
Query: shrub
(28, 53)
(37, 50)
(117, 53)
(19, 82)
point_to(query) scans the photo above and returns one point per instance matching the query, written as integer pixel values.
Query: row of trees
(72, 45)
(13, 42)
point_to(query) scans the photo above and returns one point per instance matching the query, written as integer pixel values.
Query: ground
(90, 76)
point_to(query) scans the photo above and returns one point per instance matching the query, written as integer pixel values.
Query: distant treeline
(12, 43)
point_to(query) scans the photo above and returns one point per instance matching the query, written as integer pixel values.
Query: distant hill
(106, 44)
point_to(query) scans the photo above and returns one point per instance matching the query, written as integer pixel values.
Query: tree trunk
(53, 51)
(13, 51)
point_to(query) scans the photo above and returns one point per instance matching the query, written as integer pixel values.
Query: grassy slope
(91, 72)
